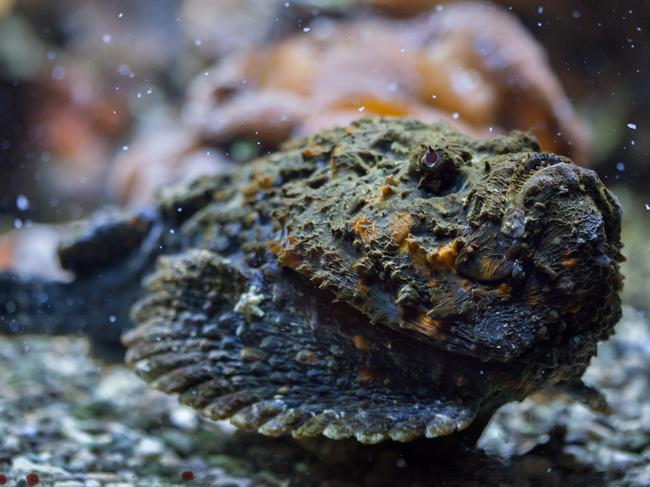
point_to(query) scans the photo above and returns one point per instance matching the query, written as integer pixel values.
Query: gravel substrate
(75, 422)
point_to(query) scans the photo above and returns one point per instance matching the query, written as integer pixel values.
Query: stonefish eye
(430, 158)
(437, 170)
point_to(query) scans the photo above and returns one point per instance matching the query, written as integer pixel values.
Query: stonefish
(388, 280)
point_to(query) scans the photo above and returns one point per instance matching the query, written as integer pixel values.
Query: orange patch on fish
(386, 192)
(400, 227)
(311, 152)
(360, 342)
(504, 290)
(444, 259)
(258, 182)
(570, 263)
(428, 326)
(287, 252)
(418, 256)
(489, 267)
(361, 288)
(365, 229)
(364, 374)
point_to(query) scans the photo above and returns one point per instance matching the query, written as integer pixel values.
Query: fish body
(387, 280)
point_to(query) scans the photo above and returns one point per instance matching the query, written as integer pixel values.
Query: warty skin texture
(389, 280)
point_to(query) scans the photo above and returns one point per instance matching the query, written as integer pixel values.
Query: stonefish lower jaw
(389, 280)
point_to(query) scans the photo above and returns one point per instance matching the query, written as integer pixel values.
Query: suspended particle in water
(22, 203)
(58, 72)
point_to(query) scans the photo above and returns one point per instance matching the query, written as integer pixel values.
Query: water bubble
(361, 109)
(540, 10)
(120, 15)
(112, 318)
(58, 72)
(125, 148)
(18, 223)
(306, 29)
(124, 69)
(631, 125)
(455, 115)
(647, 206)
(198, 42)
(22, 203)
(575, 14)
(107, 38)
(439, 8)
(620, 166)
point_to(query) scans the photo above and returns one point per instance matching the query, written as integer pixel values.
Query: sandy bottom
(75, 422)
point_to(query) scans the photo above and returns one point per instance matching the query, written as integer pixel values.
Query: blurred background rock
(101, 102)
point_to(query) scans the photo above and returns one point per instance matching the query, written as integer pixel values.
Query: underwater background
(103, 103)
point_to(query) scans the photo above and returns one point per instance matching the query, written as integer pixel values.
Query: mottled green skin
(349, 287)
